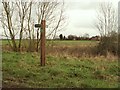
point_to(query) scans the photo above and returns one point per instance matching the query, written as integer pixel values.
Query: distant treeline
(74, 37)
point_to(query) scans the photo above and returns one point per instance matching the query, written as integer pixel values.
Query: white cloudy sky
(81, 16)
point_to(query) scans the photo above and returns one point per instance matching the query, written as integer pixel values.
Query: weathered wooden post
(42, 43)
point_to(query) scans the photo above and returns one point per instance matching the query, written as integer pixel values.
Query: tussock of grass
(24, 70)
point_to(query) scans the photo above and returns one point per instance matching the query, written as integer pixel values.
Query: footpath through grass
(24, 70)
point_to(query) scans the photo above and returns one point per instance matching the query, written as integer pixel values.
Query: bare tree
(107, 26)
(8, 12)
(106, 19)
(21, 17)
(29, 27)
(53, 13)
(22, 10)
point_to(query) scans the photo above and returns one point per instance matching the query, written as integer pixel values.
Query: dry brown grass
(67, 49)
(77, 52)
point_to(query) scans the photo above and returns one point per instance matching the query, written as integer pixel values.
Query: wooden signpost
(42, 43)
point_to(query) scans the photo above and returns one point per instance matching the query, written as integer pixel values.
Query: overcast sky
(81, 16)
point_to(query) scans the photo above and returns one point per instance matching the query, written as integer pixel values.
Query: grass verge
(24, 70)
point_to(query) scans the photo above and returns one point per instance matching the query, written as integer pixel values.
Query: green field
(61, 70)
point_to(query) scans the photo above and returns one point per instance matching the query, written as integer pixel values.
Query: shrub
(108, 45)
